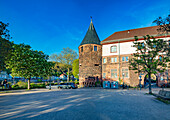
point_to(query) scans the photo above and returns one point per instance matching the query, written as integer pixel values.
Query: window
(81, 49)
(127, 58)
(104, 60)
(113, 73)
(96, 64)
(113, 49)
(114, 59)
(126, 74)
(160, 58)
(104, 75)
(95, 48)
(123, 58)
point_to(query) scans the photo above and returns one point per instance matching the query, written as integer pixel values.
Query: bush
(15, 86)
(40, 85)
(98, 83)
(33, 85)
(55, 83)
(39, 80)
(22, 84)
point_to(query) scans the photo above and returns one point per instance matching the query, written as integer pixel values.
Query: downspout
(119, 59)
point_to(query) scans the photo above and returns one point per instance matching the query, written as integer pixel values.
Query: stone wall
(90, 62)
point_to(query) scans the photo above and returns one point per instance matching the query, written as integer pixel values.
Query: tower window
(81, 49)
(95, 48)
(96, 64)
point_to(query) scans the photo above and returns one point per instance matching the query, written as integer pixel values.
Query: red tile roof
(133, 32)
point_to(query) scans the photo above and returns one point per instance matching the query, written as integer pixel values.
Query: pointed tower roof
(91, 36)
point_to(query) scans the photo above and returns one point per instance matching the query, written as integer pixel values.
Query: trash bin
(106, 84)
(114, 85)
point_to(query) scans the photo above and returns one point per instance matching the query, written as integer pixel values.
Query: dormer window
(113, 49)
(81, 49)
(95, 48)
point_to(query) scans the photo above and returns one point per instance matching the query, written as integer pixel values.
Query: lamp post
(50, 83)
(140, 80)
(123, 79)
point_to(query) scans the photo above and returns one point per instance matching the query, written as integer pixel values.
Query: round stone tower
(90, 58)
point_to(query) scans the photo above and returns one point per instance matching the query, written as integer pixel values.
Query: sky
(51, 25)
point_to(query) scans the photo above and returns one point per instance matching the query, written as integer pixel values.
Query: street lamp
(123, 79)
(140, 80)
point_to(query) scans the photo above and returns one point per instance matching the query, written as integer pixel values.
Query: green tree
(66, 57)
(5, 45)
(145, 59)
(27, 63)
(75, 68)
(163, 24)
(59, 68)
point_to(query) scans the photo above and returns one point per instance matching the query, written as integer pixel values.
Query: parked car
(67, 86)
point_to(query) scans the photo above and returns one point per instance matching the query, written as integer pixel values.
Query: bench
(164, 94)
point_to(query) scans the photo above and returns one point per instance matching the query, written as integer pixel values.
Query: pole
(119, 59)
(68, 75)
(50, 83)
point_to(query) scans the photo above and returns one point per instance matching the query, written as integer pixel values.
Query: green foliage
(75, 67)
(5, 45)
(98, 83)
(66, 58)
(163, 24)
(39, 80)
(22, 84)
(55, 83)
(145, 59)
(27, 63)
(76, 82)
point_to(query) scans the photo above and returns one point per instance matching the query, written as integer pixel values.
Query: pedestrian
(5, 83)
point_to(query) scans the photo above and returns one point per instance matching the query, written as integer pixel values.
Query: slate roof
(133, 32)
(91, 36)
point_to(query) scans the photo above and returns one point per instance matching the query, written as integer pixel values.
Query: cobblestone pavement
(82, 104)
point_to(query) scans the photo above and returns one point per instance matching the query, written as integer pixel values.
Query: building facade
(116, 51)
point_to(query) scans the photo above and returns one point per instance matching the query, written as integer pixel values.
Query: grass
(149, 94)
(6, 92)
(164, 101)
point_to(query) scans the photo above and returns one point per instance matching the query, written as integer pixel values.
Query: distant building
(63, 76)
(108, 59)
(4, 75)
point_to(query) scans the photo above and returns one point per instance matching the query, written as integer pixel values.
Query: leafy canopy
(151, 55)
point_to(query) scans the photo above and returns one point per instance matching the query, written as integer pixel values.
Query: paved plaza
(82, 104)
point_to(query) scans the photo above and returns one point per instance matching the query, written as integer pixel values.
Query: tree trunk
(29, 83)
(150, 90)
(68, 77)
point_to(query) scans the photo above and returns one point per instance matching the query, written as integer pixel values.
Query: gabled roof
(91, 36)
(131, 33)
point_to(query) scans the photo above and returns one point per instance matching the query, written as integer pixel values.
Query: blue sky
(51, 25)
